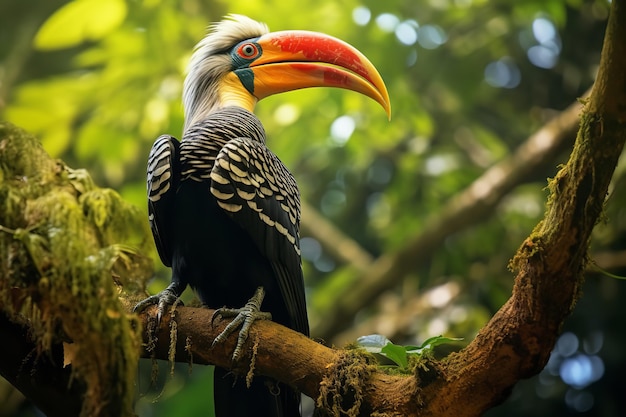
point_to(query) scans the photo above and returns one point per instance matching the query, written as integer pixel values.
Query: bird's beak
(291, 60)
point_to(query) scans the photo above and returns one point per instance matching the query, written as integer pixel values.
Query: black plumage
(224, 212)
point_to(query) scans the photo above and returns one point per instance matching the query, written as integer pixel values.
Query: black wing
(163, 179)
(254, 187)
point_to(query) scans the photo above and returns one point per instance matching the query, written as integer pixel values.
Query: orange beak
(291, 60)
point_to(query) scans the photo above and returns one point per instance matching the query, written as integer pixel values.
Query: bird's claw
(165, 298)
(243, 317)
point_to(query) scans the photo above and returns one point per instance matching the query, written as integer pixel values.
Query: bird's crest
(233, 29)
(209, 62)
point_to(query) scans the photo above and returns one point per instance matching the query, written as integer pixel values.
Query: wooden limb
(406, 314)
(517, 341)
(316, 370)
(40, 376)
(469, 207)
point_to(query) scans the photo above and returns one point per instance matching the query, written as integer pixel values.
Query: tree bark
(40, 377)
(469, 207)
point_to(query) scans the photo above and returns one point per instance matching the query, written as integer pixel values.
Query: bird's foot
(243, 317)
(167, 297)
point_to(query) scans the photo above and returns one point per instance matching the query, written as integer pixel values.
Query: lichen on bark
(67, 248)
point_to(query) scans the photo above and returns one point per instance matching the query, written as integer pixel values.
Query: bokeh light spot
(406, 32)
(361, 15)
(387, 22)
(341, 129)
(503, 74)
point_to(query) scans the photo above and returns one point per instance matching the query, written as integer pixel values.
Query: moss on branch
(62, 239)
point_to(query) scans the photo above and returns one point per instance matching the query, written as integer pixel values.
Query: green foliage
(80, 21)
(401, 357)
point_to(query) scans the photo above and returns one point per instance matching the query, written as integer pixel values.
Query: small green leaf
(430, 344)
(389, 354)
(396, 353)
(410, 348)
(79, 21)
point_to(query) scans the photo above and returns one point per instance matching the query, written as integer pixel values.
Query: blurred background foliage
(469, 80)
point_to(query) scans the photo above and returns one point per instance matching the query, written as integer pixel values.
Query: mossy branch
(61, 241)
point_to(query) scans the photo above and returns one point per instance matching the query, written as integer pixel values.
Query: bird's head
(240, 62)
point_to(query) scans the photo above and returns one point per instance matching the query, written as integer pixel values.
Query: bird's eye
(248, 50)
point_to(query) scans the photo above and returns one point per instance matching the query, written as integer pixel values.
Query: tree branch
(41, 377)
(407, 315)
(473, 204)
(517, 341)
(314, 369)
(61, 241)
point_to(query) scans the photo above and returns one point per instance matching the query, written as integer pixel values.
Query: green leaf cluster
(401, 357)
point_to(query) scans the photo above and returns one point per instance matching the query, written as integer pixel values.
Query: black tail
(264, 398)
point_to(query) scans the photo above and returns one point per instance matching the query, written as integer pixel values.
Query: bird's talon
(162, 300)
(243, 317)
(215, 313)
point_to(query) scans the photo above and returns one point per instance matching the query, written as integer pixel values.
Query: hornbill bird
(223, 209)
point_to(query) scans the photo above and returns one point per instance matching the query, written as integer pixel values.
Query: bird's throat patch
(232, 94)
(246, 76)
